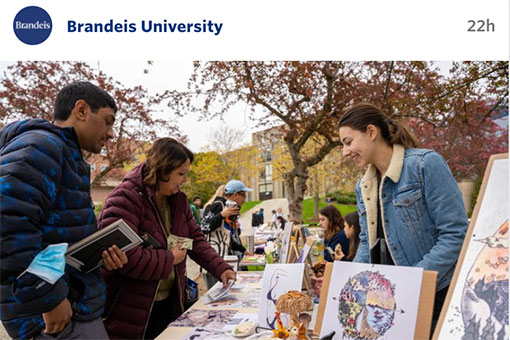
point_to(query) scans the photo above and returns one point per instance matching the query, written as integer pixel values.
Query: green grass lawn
(248, 205)
(308, 208)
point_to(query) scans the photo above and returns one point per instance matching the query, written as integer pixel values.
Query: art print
(214, 319)
(278, 279)
(209, 334)
(478, 308)
(368, 301)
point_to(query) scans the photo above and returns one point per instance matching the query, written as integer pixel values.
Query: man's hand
(179, 254)
(228, 274)
(230, 211)
(56, 319)
(248, 253)
(114, 258)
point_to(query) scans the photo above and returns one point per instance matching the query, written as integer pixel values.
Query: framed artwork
(278, 279)
(476, 306)
(368, 301)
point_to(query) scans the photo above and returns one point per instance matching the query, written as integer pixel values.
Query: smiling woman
(410, 208)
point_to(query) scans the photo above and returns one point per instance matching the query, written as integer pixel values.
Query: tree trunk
(316, 197)
(295, 185)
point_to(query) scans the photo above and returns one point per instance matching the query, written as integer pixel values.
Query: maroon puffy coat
(131, 290)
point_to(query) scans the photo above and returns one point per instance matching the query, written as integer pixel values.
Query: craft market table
(216, 320)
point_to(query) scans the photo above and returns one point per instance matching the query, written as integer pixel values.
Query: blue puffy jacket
(45, 199)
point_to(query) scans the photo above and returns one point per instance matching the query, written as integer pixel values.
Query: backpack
(219, 238)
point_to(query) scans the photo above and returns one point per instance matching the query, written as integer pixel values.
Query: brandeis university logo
(32, 25)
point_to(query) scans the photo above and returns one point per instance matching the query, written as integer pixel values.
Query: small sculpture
(294, 303)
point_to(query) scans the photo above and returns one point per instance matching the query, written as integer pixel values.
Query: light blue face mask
(50, 263)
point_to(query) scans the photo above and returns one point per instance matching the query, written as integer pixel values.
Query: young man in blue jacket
(45, 190)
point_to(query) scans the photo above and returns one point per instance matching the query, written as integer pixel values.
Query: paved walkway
(267, 205)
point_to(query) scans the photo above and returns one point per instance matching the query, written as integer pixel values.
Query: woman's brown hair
(165, 155)
(359, 116)
(336, 222)
(352, 219)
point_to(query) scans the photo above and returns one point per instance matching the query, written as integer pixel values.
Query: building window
(269, 172)
(267, 187)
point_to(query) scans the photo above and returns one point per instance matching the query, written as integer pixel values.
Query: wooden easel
(294, 256)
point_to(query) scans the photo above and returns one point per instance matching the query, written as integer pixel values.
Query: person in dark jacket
(352, 231)
(221, 218)
(220, 223)
(45, 190)
(256, 220)
(149, 291)
(332, 222)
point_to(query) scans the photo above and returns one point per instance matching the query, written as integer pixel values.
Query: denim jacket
(423, 215)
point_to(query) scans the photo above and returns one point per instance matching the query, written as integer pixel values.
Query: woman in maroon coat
(148, 292)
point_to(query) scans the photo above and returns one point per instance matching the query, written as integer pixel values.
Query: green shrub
(343, 197)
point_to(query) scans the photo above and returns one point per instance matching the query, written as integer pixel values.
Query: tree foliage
(28, 90)
(309, 97)
(206, 174)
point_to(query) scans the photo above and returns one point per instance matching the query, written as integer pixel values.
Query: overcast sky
(174, 76)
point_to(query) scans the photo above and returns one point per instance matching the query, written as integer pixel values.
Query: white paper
(372, 299)
(284, 250)
(278, 279)
(239, 318)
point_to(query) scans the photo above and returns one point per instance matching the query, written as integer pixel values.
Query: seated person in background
(273, 221)
(332, 222)
(280, 222)
(352, 230)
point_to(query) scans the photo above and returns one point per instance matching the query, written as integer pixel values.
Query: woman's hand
(339, 254)
(228, 274)
(179, 254)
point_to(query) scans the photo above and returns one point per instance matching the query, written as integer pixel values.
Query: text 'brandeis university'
(147, 26)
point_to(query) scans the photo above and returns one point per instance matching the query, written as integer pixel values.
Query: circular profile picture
(366, 307)
(32, 25)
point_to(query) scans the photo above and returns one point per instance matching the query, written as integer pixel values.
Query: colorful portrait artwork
(367, 301)
(366, 306)
(484, 303)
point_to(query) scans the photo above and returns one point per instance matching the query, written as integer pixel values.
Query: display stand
(425, 307)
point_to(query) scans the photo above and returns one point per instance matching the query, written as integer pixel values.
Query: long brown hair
(165, 155)
(352, 219)
(336, 221)
(359, 116)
